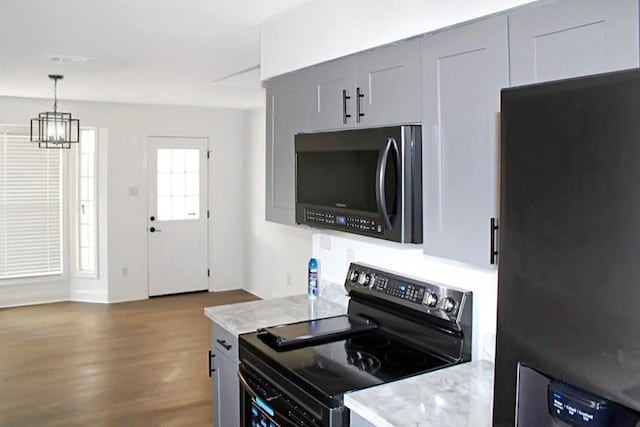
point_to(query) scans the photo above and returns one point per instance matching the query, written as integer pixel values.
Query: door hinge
(208, 154)
(208, 273)
(208, 213)
(493, 230)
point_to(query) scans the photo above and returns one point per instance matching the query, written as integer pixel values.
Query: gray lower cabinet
(373, 88)
(569, 38)
(463, 71)
(288, 102)
(224, 378)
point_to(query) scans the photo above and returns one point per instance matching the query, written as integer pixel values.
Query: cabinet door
(228, 392)
(389, 79)
(463, 72)
(331, 82)
(571, 38)
(288, 100)
(215, 393)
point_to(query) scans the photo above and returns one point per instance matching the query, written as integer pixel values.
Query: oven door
(263, 405)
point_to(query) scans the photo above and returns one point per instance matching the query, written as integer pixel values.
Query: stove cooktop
(361, 360)
(396, 327)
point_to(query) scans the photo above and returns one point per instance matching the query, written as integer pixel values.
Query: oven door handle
(259, 400)
(381, 172)
(245, 385)
(252, 393)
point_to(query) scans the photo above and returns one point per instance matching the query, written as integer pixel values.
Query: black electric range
(395, 327)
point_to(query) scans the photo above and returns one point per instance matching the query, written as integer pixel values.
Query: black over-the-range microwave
(363, 181)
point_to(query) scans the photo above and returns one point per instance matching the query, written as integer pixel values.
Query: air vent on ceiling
(67, 59)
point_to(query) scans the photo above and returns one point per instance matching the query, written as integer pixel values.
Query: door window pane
(164, 160)
(192, 184)
(178, 184)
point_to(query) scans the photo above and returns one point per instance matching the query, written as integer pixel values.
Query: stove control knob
(431, 299)
(364, 279)
(353, 276)
(448, 305)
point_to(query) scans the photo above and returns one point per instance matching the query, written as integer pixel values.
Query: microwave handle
(381, 179)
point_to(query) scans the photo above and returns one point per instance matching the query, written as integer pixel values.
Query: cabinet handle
(345, 116)
(493, 230)
(224, 344)
(211, 368)
(358, 96)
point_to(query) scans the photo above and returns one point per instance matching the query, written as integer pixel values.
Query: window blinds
(30, 207)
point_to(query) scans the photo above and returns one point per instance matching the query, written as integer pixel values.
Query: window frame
(75, 208)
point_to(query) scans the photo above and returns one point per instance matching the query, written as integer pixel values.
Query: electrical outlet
(325, 242)
(288, 279)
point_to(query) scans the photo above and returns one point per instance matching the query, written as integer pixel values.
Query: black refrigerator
(568, 332)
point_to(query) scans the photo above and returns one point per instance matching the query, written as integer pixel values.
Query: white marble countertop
(248, 316)
(460, 396)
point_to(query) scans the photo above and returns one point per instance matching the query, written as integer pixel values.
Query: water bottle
(312, 284)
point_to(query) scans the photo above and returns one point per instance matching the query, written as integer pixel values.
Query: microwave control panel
(362, 224)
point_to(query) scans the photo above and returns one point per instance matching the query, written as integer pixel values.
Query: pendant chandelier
(55, 129)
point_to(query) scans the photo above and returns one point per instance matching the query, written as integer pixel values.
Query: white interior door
(177, 215)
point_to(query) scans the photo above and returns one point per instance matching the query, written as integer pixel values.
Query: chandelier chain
(55, 95)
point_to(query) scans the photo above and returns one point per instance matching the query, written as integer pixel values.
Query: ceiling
(190, 52)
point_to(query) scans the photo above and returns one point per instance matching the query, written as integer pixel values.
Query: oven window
(344, 179)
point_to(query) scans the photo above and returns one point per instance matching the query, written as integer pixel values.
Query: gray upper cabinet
(387, 85)
(373, 88)
(463, 71)
(570, 38)
(288, 101)
(333, 97)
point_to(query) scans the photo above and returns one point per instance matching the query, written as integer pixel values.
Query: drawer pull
(224, 344)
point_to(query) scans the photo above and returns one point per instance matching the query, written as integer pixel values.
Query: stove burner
(405, 357)
(369, 341)
(363, 361)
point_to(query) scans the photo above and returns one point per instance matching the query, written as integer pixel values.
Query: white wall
(320, 30)
(336, 250)
(128, 127)
(276, 256)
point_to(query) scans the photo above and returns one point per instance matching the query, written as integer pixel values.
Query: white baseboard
(89, 296)
(31, 294)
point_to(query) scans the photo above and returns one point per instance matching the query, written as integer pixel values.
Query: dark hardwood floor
(136, 363)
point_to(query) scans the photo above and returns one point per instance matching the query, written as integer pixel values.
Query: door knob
(152, 218)
(153, 229)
